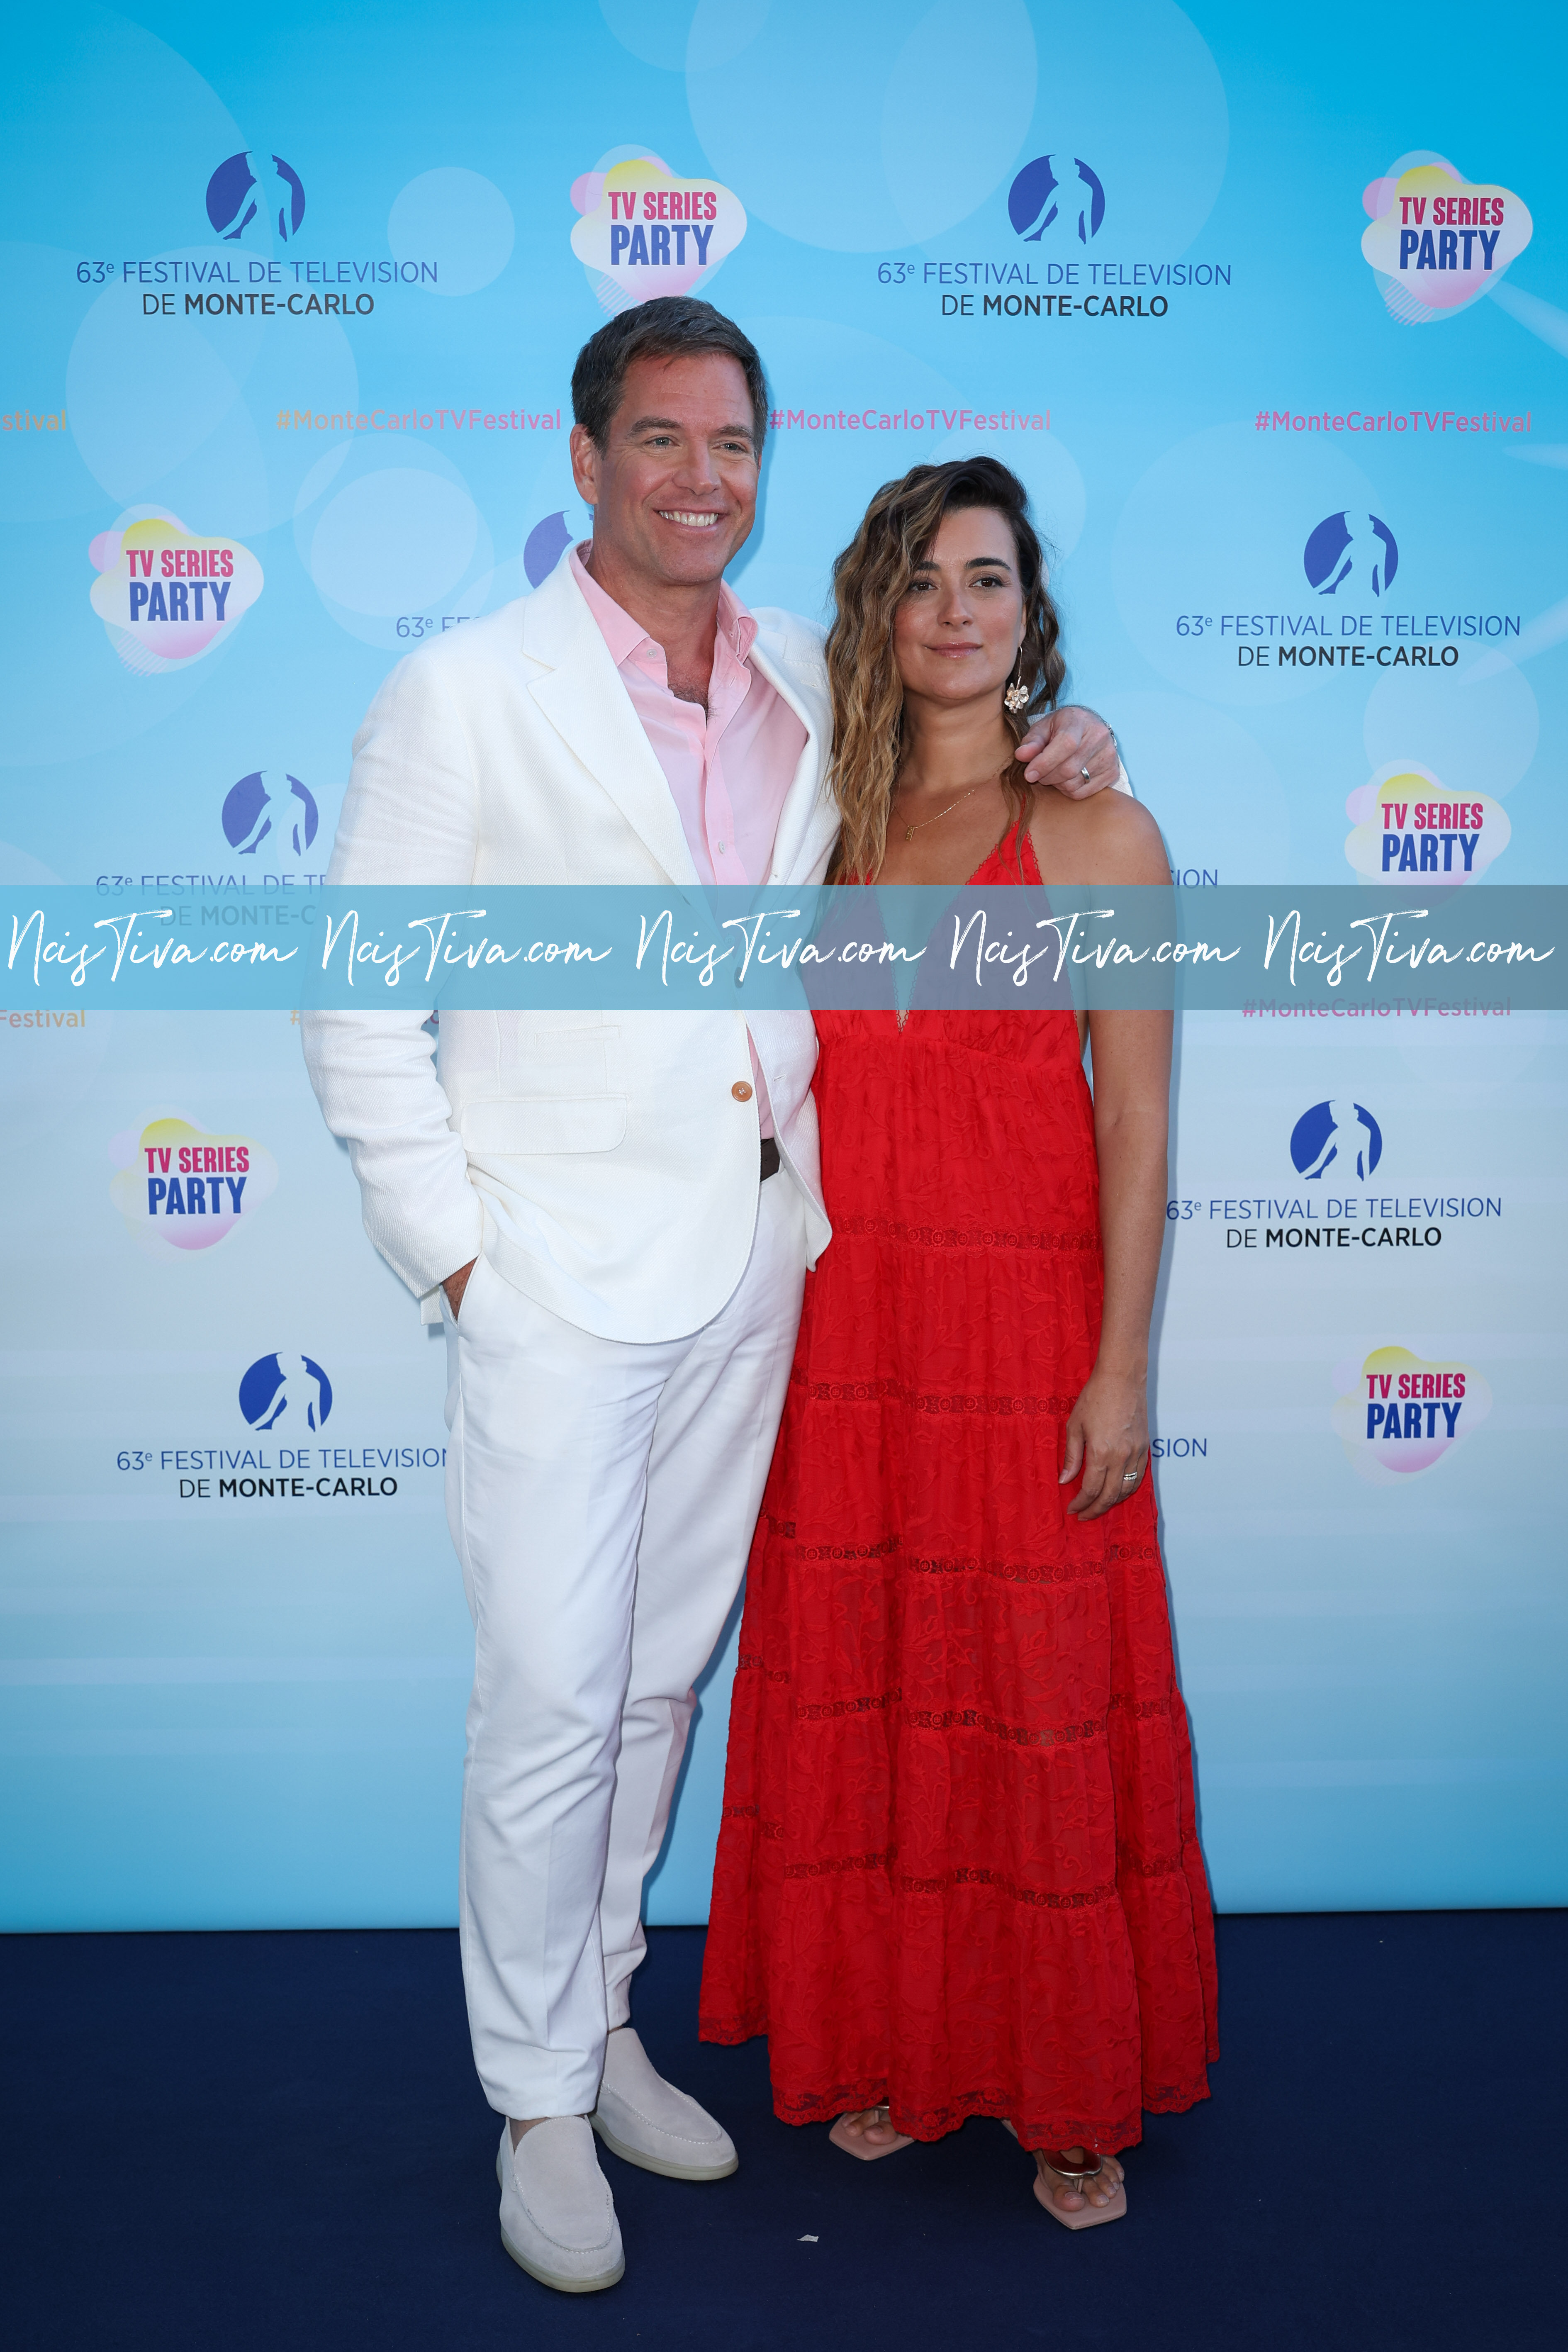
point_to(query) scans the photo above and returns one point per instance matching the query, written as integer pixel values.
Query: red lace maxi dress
(958, 1869)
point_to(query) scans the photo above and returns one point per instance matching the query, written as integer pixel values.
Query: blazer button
(741, 1090)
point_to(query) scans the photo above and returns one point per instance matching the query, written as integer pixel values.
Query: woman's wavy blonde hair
(870, 580)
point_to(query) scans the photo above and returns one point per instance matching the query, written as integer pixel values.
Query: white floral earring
(1016, 696)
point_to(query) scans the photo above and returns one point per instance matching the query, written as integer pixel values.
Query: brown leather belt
(770, 1158)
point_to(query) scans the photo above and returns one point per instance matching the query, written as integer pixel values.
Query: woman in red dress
(958, 1872)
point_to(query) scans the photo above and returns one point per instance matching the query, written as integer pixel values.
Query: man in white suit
(612, 1214)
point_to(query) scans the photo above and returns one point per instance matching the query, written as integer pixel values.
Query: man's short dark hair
(673, 326)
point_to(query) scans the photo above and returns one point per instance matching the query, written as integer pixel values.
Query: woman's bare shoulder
(1109, 837)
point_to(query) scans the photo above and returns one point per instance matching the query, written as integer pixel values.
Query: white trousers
(602, 1496)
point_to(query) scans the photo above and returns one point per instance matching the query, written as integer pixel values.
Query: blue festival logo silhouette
(1032, 200)
(288, 1390)
(1338, 1139)
(249, 189)
(545, 545)
(1356, 551)
(268, 806)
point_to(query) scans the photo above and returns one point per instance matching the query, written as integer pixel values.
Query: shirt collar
(737, 629)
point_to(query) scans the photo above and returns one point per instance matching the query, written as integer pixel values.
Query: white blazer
(600, 1159)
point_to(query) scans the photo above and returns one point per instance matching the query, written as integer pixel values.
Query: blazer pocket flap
(543, 1123)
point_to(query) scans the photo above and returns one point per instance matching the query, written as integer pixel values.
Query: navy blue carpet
(267, 2141)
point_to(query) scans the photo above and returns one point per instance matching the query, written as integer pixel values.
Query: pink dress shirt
(730, 767)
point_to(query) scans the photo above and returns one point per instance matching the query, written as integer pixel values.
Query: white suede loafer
(557, 2216)
(648, 2121)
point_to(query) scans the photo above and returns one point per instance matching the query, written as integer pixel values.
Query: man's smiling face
(674, 489)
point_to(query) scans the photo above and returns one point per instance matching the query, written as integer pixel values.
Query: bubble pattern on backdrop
(462, 220)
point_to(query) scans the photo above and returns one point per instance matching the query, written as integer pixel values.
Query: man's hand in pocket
(455, 1283)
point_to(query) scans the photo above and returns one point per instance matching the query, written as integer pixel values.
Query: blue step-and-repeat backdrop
(1270, 312)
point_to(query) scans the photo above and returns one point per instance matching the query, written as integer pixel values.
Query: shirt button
(741, 1090)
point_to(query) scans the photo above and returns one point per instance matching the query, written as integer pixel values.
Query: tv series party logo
(1038, 198)
(1438, 241)
(261, 192)
(289, 1394)
(1406, 821)
(181, 1189)
(643, 231)
(166, 595)
(1399, 1414)
(269, 806)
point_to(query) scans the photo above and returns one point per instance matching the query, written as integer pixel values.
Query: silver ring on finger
(1084, 773)
(1130, 1477)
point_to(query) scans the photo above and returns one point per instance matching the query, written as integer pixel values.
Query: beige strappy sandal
(853, 2144)
(1054, 2169)
(1053, 2166)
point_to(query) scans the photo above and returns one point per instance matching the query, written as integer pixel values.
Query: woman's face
(957, 633)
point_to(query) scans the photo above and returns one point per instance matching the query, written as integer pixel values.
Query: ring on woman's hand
(1084, 773)
(1130, 1477)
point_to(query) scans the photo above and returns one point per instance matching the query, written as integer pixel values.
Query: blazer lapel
(581, 695)
(809, 820)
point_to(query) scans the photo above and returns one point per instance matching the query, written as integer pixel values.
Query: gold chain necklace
(911, 830)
